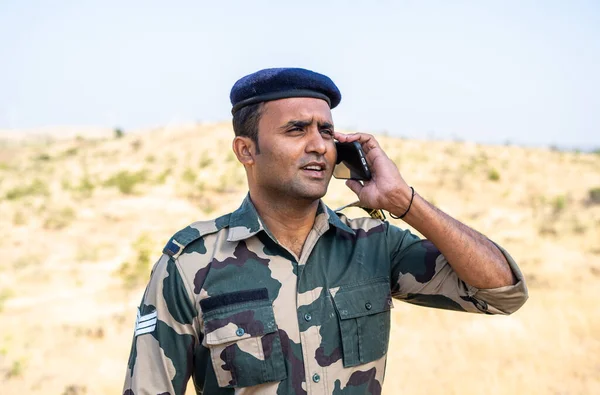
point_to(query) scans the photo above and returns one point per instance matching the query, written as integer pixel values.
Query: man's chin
(307, 191)
(315, 195)
(310, 193)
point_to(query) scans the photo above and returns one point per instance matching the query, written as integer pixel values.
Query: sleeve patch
(145, 323)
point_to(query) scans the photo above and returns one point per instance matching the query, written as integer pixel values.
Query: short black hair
(245, 122)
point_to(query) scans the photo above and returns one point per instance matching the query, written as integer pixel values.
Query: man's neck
(290, 220)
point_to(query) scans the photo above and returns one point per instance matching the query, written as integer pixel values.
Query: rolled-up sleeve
(421, 275)
(508, 299)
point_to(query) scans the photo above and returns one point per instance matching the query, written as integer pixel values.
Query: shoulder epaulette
(193, 232)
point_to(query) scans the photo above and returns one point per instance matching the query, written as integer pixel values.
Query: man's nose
(316, 143)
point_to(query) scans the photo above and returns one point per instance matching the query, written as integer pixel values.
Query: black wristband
(409, 204)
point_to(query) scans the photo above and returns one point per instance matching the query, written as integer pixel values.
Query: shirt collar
(245, 221)
(334, 220)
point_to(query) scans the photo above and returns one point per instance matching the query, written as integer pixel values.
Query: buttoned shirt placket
(310, 337)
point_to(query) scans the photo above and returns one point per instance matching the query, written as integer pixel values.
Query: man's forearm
(474, 258)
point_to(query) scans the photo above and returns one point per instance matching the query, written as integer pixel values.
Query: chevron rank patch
(145, 323)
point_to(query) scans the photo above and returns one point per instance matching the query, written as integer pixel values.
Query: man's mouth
(315, 169)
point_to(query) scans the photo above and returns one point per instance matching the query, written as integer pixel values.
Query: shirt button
(316, 378)
(368, 306)
(307, 317)
(240, 332)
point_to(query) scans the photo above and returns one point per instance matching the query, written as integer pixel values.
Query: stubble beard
(297, 189)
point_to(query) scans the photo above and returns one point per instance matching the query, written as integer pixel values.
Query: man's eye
(328, 132)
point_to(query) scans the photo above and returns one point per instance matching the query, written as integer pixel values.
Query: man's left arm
(487, 271)
(474, 258)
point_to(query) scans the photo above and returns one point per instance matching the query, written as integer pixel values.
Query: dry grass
(73, 210)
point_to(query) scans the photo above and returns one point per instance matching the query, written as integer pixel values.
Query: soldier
(285, 296)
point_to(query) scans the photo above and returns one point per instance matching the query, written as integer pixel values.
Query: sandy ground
(69, 220)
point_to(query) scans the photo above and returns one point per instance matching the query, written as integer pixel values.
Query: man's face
(297, 150)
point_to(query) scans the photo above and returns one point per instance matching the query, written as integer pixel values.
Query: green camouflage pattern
(239, 313)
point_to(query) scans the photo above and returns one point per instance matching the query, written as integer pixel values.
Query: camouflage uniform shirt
(232, 308)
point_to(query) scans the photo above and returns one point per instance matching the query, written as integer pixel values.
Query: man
(284, 296)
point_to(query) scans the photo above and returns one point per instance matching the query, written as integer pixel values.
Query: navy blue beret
(281, 83)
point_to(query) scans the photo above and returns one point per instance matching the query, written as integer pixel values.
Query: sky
(524, 72)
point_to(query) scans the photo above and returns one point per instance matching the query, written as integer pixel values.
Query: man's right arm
(165, 336)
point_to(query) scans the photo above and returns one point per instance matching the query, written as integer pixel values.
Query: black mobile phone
(351, 162)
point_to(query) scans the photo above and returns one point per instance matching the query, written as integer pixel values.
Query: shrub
(19, 218)
(37, 187)
(118, 132)
(559, 203)
(205, 162)
(26, 260)
(4, 296)
(43, 157)
(579, 228)
(75, 390)
(85, 187)
(134, 272)
(493, 175)
(59, 219)
(16, 369)
(126, 181)
(189, 176)
(547, 229)
(594, 195)
(225, 184)
(207, 207)
(71, 152)
(162, 177)
(136, 145)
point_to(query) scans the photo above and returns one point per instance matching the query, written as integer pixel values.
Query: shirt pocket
(364, 317)
(242, 336)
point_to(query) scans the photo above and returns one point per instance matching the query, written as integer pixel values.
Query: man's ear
(244, 148)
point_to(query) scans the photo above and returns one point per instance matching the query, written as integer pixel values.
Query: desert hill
(82, 218)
